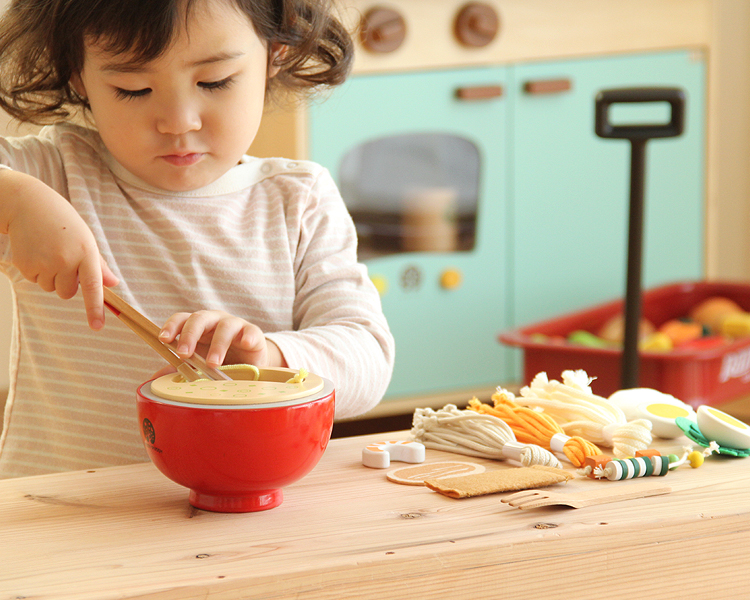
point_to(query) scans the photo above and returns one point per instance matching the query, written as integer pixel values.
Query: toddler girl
(243, 260)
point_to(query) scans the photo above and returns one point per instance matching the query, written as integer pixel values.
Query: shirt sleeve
(340, 330)
(36, 155)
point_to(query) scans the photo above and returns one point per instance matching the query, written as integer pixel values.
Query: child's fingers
(224, 334)
(227, 330)
(66, 284)
(109, 279)
(90, 281)
(172, 326)
(254, 345)
(46, 281)
(192, 329)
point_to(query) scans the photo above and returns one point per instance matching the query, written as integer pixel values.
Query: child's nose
(178, 117)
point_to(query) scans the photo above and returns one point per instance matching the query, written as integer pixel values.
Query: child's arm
(338, 328)
(50, 243)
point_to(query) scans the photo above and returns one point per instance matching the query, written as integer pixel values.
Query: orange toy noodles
(534, 427)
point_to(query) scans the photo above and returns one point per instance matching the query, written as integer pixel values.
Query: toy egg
(724, 429)
(655, 406)
(662, 417)
(235, 444)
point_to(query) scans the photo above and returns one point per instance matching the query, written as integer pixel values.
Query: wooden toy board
(270, 387)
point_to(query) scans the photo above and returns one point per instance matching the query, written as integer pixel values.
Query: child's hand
(221, 338)
(51, 244)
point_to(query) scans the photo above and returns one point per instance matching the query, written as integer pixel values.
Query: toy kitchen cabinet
(464, 147)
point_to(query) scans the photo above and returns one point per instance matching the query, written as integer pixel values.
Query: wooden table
(344, 531)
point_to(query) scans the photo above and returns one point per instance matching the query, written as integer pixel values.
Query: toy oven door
(420, 165)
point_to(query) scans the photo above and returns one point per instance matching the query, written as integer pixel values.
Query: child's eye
(130, 94)
(222, 84)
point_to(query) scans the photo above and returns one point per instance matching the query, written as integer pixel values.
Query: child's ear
(276, 54)
(77, 84)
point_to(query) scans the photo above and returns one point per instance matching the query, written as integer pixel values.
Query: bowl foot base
(236, 504)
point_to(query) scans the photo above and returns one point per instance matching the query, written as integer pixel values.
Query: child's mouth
(183, 160)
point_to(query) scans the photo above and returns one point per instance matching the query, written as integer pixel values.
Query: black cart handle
(674, 96)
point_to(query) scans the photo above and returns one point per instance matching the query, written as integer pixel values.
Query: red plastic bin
(706, 376)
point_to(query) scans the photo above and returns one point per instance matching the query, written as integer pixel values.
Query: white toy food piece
(718, 426)
(380, 454)
(629, 400)
(473, 434)
(655, 406)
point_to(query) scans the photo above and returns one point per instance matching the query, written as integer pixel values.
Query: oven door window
(412, 193)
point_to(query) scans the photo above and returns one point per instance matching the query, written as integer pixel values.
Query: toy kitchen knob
(382, 30)
(451, 279)
(477, 24)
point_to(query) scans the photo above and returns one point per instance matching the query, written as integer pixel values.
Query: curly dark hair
(42, 45)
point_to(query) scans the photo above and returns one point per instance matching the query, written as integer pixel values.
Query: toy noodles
(535, 427)
(582, 413)
(474, 434)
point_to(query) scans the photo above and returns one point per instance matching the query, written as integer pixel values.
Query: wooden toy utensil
(580, 499)
(192, 368)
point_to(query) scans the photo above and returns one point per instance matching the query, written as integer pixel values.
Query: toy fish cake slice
(416, 474)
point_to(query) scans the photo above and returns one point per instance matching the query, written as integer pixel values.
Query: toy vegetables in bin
(713, 322)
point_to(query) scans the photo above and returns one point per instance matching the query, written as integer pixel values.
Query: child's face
(184, 119)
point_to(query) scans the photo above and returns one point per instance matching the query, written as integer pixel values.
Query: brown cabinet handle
(547, 86)
(479, 92)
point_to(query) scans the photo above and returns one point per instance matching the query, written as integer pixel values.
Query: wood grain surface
(345, 531)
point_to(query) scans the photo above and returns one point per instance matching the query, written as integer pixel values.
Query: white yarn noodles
(582, 413)
(473, 434)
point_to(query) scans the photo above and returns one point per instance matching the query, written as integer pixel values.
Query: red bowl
(235, 458)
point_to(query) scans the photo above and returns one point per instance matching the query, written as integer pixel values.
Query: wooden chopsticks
(191, 368)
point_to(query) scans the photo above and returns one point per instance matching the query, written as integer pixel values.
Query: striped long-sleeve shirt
(270, 241)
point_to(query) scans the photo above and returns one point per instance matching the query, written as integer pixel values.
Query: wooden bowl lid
(272, 386)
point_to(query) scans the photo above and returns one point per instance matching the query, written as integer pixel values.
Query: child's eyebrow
(140, 67)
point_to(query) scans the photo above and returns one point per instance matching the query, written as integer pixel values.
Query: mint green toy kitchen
(464, 147)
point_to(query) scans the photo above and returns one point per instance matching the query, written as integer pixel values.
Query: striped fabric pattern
(270, 241)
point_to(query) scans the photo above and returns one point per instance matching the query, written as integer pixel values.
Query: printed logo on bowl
(149, 433)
